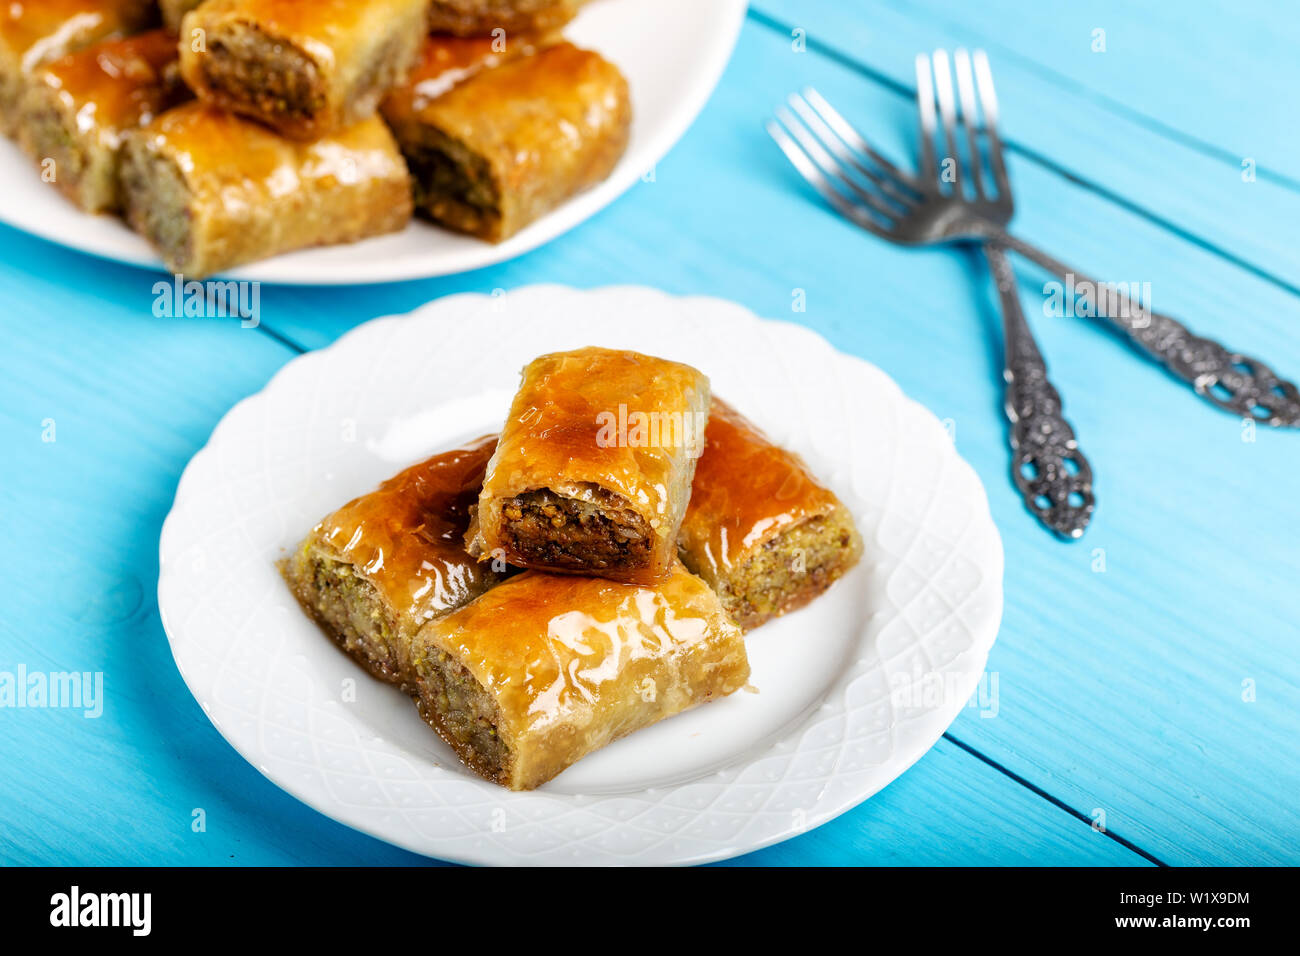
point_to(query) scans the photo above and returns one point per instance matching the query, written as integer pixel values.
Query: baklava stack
(586, 573)
(228, 131)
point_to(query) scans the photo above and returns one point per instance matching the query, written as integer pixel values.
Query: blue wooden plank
(127, 399)
(888, 830)
(1206, 72)
(1066, 120)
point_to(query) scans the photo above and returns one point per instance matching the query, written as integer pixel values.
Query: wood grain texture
(889, 829)
(1119, 690)
(1207, 72)
(1048, 80)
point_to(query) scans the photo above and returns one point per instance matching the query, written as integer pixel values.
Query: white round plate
(672, 52)
(850, 690)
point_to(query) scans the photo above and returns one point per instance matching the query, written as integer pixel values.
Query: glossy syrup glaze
(747, 491)
(475, 17)
(228, 159)
(446, 61)
(118, 84)
(332, 33)
(318, 27)
(407, 537)
(574, 663)
(36, 31)
(571, 427)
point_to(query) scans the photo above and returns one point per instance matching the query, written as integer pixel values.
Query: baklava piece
(212, 190)
(306, 69)
(482, 17)
(35, 32)
(513, 141)
(543, 669)
(77, 109)
(593, 471)
(385, 564)
(764, 533)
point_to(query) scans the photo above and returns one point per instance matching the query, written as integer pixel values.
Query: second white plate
(850, 691)
(672, 52)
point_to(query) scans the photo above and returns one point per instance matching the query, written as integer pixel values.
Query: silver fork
(1053, 476)
(917, 213)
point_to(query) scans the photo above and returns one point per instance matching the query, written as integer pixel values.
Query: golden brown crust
(482, 17)
(44, 30)
(594, 419)
(248, 194)
(535, 131)
(405, 540)
(78, 107)
(447, 61)
(749, 495)
(306, 69)
(35, 32)
(568, 665)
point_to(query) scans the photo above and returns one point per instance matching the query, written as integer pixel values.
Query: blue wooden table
(1148, 706)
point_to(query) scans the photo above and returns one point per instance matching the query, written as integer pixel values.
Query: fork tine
(814, 177)
(947, 113)
(845, 155)
(925, 110)
(813, 148)
(989, 106)
(969, 118)
(845, 131)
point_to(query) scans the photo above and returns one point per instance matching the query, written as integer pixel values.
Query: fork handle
(1235, 382)
(1053, 476)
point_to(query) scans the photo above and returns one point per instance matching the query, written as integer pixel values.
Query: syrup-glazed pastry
(308, 69)
(212, 190)
(545, 669)
(498, 138)
(446, 61)
(482, 17)
(387, 563)
(760, 528)
(593, 471)
(35, 32)
(76, 110)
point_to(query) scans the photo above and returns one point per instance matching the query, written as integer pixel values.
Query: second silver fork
(1052, 474)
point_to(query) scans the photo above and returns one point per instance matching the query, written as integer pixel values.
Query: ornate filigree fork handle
(1236, 383)
(1053, 476)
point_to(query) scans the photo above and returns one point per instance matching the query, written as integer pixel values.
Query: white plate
(851, 690)
(672, 52)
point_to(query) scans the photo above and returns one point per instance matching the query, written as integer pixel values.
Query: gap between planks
(770, 22)
(1050, 798)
